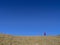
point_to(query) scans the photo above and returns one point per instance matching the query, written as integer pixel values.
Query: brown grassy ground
(29, 40)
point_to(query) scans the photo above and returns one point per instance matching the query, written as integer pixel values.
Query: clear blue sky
(30, 17)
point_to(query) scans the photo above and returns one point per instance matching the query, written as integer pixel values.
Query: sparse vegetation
(29, 40)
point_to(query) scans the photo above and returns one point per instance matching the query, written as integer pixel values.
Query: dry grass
(29, 40)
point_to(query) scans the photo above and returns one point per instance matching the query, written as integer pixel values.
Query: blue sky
(30, 17)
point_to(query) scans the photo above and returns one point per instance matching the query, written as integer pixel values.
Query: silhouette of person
(44, 33)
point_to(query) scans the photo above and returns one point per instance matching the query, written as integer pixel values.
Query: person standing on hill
(44, 33)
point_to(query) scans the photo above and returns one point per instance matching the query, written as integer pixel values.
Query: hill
(29, 40)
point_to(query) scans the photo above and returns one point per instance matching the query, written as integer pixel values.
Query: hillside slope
(29, 40)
